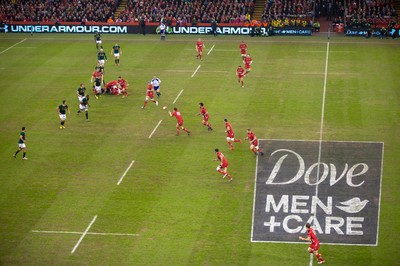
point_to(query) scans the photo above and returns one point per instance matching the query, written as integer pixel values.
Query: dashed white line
(126, 171)
(177, 97)
(197, 69)
(83, 235)
(154, 130)
(12, 46)
(79, 233)
(211, 49)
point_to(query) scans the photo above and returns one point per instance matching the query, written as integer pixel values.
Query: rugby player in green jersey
(97, 38)
(21, 144)
(84, 106)
(62, 112)
(101, 57)
(116, 51)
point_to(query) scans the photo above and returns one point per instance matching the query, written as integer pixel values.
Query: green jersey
(62, 109)
(21, 137)
(97, 36)
(85, 101)
(116, 49)
(101, 56)
(82, 91)
(97, 81)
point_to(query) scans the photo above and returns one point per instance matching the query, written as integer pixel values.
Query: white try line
(177, 97)
(154, 130)
(124, 174)
(197, 69)
(211, 49)
(84, 234)
(79, 233)
(12, 46)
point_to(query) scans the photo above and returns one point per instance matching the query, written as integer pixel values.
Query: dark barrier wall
(375, 32)
(134, 28)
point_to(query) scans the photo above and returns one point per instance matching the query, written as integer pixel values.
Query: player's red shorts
(240, 76)
(230, 135)
(223, 165)
(247, 67)
(255, 142)
(199, 49)
(180, 123)
(206, 117)
(314, 246)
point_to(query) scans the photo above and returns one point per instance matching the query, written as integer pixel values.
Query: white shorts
(83, 107)
(230, 139)
(63, 117)
(21, 145)
(116, 55)
(80, 97)
(98, 41)
(97, 89)
(101, 62)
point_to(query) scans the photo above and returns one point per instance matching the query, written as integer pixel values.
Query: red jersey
(243, 48)
(313, 236)
(222, 159)
(247, 61)
(199, 45)
(150, 92)
(228, 128)
(178, 116)
(122, 83)
(97, 74)
(252, 138)
(240, 72)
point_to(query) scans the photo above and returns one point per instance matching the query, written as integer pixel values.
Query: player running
(97, 80)
(21, 144)
(241, 73)
(247, 61)
(179, 124)
(149, 95)
(243, 49)
(62, 112)
(84, 106)
(97, 39)
(314, 246)
(206, 116)
(155, 82)
(199, 48)
(253, 143)
(230, 135)
(101, 57)
(223, 166)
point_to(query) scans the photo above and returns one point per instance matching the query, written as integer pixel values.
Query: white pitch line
(211, 49)
(196, 70)
(83, 235)
(12, 46)
(79, 233)
(126, 171)
(154, 130)
(177, 96)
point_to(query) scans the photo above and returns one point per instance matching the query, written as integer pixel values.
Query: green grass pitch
(182, 210)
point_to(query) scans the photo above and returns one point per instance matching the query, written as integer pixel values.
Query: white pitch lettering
(318, 181)
(296, 204)
(326, 208)
(278, 165)
(329, 224)
(270, 201)
(315, 224)
(350, 174)
(351, 225)
(291, 230)
(272, 224)
(333, 179)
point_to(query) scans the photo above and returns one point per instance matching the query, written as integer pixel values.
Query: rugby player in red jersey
(179, 124)
(253, 142)
(314, 246)
(223, 166)
(123, 84)
(247, 61)
(199, 48)
(149, 95)
(241, 73)
(206, 116)
(230, 135)
(243, 49)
